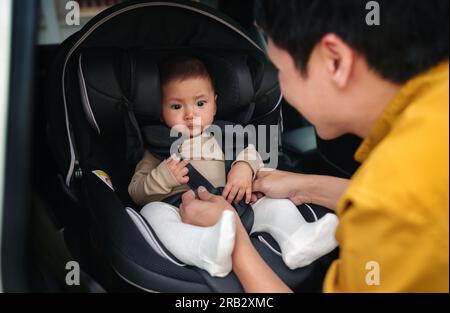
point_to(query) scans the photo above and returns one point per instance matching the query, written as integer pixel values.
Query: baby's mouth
(193, 126)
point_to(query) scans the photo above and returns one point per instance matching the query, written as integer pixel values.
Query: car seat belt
(243, 209)
(135, 143)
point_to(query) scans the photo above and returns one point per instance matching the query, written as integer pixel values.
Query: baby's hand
(178, 169)
(239, 183)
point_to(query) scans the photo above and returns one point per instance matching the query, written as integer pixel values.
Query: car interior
(90, 94)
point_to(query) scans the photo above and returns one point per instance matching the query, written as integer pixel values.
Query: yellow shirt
(394, 216)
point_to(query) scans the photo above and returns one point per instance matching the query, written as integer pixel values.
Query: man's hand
(239, 183)
(204, 211)
(178, 169)
(278, 184)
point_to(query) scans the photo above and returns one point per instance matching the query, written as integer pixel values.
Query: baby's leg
(209, 248)
(301, 242)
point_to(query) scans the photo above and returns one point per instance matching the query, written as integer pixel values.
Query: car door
(34, 256)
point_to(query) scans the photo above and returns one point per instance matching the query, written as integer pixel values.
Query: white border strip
(5, 59)
(276, 106)
(312, 211)
(107, 18)
(148, 235)
(85, 97)
(264, 241)
(132, 283)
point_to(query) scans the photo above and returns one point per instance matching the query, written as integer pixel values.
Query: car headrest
(112, 80)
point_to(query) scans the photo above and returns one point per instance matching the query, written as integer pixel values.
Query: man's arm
(253, 273)
(301, 188)
(319, 189)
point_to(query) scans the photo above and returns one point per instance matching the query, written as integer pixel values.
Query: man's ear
(339, 59)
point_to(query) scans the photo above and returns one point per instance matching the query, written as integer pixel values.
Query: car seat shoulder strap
(134, 141)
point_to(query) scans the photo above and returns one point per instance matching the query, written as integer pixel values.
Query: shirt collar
(195, 148)
(414, 88)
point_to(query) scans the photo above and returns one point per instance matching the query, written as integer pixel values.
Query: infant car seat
(103, 86)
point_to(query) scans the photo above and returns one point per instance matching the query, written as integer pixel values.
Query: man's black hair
(411, 38)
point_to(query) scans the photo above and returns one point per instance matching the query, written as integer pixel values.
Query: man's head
(188, 96)
(333, 65)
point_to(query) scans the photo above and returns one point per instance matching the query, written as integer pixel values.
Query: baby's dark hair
(183, 67)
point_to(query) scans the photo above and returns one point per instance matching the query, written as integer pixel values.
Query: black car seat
(103, 86)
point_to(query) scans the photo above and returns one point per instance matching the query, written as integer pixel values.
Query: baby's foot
(216, 246)
(310, 242)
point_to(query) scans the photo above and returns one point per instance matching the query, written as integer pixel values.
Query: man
(388, 84)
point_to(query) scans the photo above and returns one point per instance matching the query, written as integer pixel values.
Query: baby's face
(188, 105)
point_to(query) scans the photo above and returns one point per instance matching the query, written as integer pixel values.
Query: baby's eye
(175, 106)
(201, 103)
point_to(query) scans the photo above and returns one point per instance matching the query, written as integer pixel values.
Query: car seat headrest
(234, 86)
(112, 80)
(145, 88)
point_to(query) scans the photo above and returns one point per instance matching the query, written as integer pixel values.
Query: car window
(58, 19)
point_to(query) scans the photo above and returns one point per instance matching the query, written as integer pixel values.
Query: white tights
(210, 248)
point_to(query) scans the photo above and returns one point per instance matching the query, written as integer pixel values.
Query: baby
(189, 106)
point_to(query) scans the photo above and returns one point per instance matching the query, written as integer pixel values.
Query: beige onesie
(153, 181)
